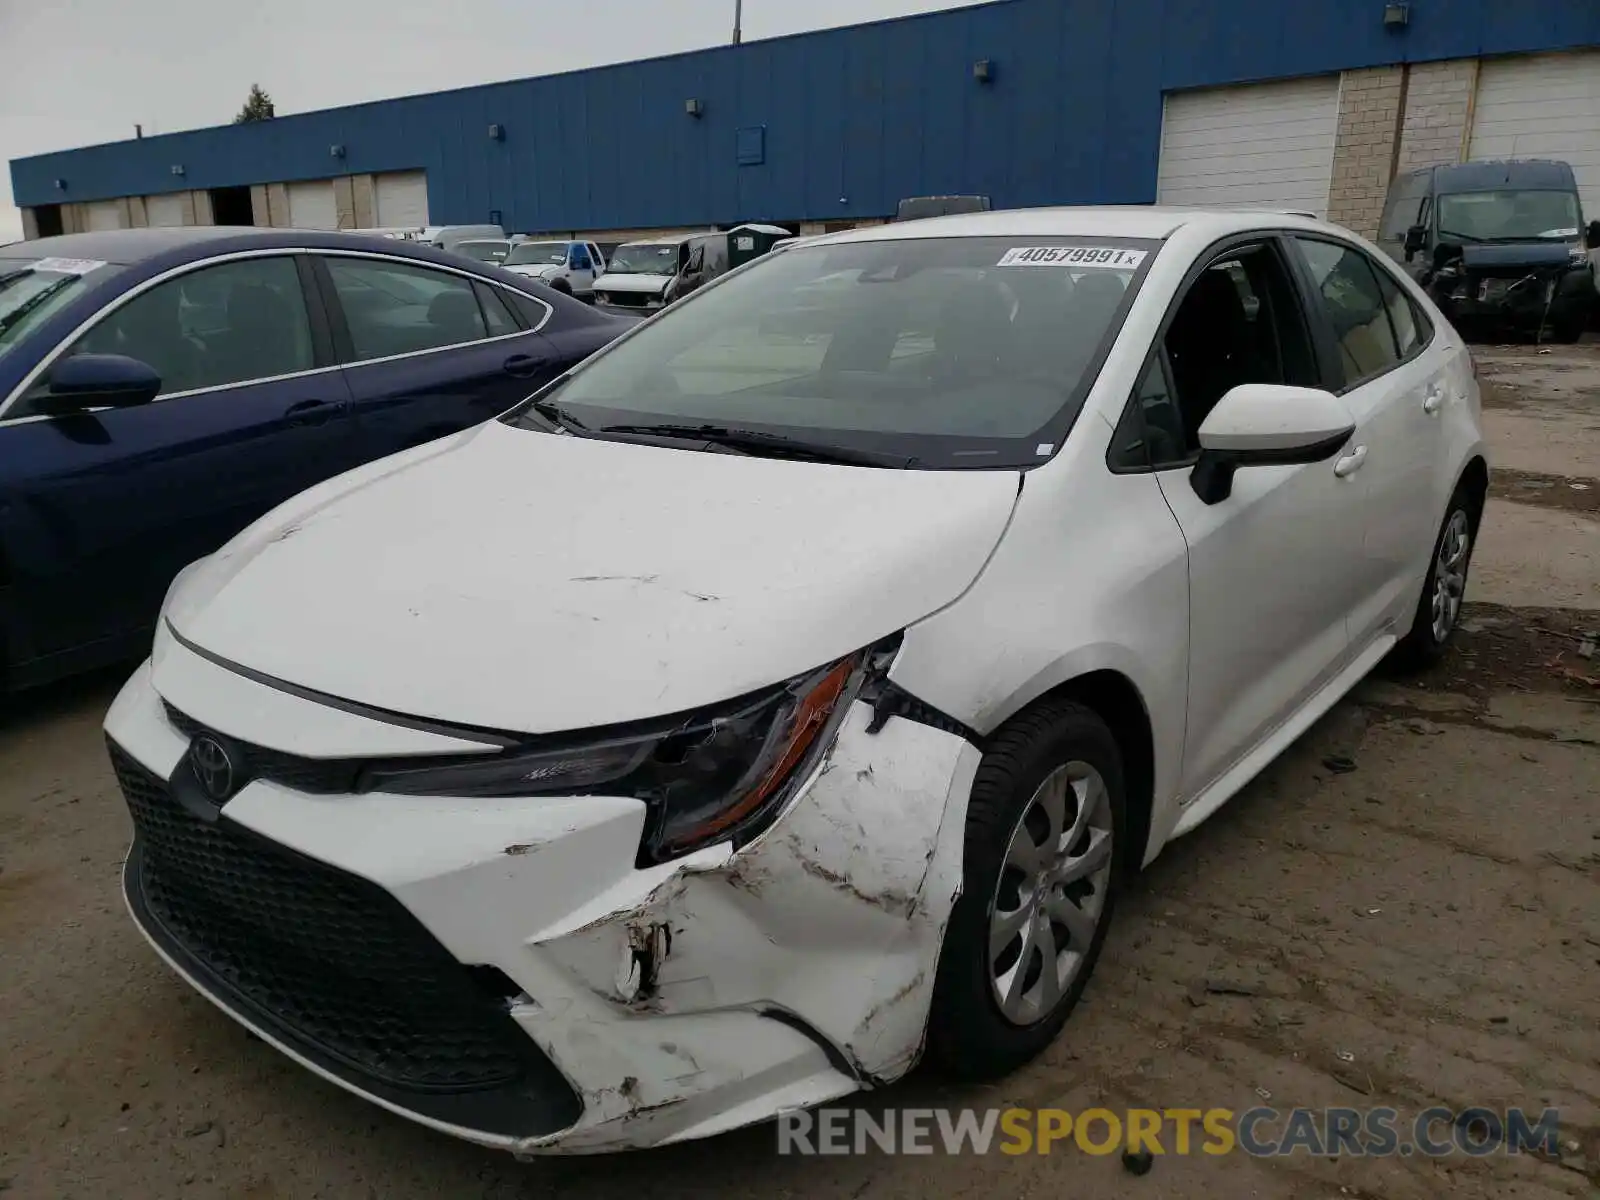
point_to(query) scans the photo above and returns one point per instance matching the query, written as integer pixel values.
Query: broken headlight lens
(720, 773)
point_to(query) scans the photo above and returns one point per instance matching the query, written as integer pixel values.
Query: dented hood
(534, 582)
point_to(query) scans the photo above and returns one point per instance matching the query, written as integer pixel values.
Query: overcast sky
(78, 72)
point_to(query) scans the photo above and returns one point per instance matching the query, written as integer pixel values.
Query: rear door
(428, 350)
(99, 511)
(1395, 390)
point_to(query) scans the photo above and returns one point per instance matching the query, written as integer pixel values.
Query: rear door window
(394, 308)
(1347, 287)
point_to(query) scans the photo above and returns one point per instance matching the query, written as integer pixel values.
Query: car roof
(1539, 174)
(127, 247)
(124, 246)
(1142, 221)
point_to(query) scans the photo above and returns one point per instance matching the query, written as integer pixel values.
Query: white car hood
(629, 282)
(536, 582)
(533, 270)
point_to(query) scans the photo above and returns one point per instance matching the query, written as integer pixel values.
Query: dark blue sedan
(162, 388)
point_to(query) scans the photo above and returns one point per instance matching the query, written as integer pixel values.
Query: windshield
(1509, 216)
(489, 252)
(644, 258)
(31, 290)
(954, 352)
(544, 253)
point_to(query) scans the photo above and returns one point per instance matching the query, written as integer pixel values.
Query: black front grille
(316, 776)
(334, 966)
(628, 299)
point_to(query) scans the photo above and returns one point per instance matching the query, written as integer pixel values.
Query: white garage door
(1545, 106)
(164, 211)
(402, 199)
(1260, 144)
(311, 205)
(107, 214)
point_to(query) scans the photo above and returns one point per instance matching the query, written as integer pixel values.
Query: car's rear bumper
(525, 985)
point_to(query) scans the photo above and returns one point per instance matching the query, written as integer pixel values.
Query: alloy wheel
(1051, 894)
(1450, 574)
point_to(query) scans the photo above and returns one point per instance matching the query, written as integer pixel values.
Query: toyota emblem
(212, 767)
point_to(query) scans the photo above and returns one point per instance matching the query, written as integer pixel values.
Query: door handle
(1434, 400)
(1350, 463)
(311, 412)
(522, 365)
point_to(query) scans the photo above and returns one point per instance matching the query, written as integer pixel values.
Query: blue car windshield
(32, 289)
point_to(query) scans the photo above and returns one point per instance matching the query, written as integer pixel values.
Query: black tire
(1422, 646)
(969, 1037)
(562, 286)
(1567, 331)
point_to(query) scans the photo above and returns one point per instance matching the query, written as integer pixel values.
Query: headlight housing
(721, 773)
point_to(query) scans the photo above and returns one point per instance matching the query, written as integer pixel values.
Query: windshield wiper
(10, 319)
(1451, 235)
(551, 411)
(776, 445)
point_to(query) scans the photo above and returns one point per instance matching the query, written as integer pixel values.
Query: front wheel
(1045, 844)
(1445, 589)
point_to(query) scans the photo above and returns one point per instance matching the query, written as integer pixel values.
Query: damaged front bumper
(1523, 302)
(500, 970)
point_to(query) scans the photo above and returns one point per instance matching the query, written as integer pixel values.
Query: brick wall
(1363, 154)
(1438, 113)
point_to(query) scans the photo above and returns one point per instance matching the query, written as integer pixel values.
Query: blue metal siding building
(832, 125)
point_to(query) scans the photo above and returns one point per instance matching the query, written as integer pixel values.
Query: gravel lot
(1423, 929)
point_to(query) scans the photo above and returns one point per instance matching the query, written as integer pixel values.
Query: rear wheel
(1445, 589)
(1567, 331)
(1044, 852)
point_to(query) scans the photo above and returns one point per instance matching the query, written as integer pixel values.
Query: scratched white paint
(523, 581)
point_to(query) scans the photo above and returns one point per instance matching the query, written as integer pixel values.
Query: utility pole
(138, 131)
(738, 21)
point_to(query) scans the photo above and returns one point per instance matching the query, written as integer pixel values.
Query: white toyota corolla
(784, 694)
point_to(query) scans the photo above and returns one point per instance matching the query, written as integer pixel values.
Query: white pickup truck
(570, 267)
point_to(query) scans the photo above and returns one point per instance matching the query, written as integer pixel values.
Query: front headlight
(722, 773)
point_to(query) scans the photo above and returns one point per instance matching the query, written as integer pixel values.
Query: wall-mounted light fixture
(1396, 14)
(497, 133)
(336, 150)
(694, 108)
(983, 71)
(177, 168)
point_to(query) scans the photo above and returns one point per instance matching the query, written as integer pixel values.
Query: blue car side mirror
(86, 381)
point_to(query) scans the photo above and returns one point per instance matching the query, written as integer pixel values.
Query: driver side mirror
(1416, 239)
(1266, 424)
(86, 381)
(1594, 235)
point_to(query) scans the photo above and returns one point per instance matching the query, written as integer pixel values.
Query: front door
(580, 269)
(1269, 579)
(100, 510)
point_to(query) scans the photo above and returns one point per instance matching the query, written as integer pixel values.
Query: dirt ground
(1403, 910)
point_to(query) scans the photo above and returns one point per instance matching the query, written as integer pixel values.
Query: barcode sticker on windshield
(1108, 257)
(68, 266)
